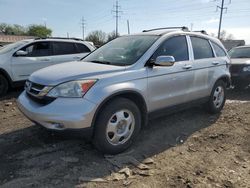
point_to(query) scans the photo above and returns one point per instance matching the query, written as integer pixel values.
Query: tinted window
(38, 49)
(176, 47)
(218, 50)
(201, 48)
(240, 52)
(64, 48)
(81, 48)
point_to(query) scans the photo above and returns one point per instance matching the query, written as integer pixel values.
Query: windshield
(9, 47)
(122, 51)
(239, 53)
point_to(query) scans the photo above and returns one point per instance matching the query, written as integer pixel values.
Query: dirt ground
(186, 149)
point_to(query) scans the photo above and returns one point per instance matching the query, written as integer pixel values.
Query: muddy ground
(186, 149)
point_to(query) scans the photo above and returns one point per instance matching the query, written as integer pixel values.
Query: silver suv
(113, 91)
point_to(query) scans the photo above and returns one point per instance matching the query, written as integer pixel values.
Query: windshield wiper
(102, 62)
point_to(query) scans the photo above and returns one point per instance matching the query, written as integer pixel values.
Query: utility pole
(128, 27)
(83, 23)
(222, 8)
(117, 16)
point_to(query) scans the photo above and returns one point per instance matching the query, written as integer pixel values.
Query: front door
(169, 86)
(38, 56)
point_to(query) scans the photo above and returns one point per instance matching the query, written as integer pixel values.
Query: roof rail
(202, 31)
(59, 38)
(183, 28)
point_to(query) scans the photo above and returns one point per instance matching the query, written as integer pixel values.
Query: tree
(12, 29)
(98, 37)
(39, 31)
(224, 35)
(112, 36)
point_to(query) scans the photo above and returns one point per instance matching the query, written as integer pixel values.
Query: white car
(19, 60)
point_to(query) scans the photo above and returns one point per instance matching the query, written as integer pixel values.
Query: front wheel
(117, 125)
(217, 98)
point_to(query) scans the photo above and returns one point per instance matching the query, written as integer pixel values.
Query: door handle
(215, 63)
(77, 57)
(187, 67)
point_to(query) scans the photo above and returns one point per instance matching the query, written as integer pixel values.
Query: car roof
(181, 30)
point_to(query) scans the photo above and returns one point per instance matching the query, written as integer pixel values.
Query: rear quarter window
(81, 48)
(218, 50)
(201, 48)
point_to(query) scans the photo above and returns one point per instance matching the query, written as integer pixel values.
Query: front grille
(236, 68)
(43, 101)
(37, 93)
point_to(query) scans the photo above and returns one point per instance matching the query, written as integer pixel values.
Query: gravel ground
(186, 149)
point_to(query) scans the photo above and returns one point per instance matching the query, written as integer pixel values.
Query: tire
(4, 85)
(119, 117)
(217, 98)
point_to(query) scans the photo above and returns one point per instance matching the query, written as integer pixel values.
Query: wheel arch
(134, 96)
(6, 75)
(226, 79)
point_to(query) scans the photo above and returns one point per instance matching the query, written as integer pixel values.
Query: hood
(64, 72)
(240, 61)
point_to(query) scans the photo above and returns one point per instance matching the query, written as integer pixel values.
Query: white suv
(20, 59)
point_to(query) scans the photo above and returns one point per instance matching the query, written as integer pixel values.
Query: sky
(64, 16)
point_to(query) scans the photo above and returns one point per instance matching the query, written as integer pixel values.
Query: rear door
(169, 86)
(39, 56)
(68, 51)
(204, 63)
(64, 52)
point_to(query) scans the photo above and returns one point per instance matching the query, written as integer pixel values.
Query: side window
(176, 47)
(64, 48)
(81, 48)
(218, 50)
(201, 48)
(38, 49)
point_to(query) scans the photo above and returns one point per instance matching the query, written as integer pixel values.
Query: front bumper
(242, 77)
(61, 114)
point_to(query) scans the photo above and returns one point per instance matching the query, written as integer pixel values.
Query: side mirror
(21, 53)
(164, 61)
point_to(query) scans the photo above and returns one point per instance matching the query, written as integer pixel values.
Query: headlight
(72, 89)
(245, 69)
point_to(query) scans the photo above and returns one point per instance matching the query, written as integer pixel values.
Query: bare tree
(224, 35)
(97, 37)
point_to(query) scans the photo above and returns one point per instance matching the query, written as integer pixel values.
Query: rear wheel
(3, 85)
(117, 125)
(217, 98)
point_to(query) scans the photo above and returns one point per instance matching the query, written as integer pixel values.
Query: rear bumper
(61, 114)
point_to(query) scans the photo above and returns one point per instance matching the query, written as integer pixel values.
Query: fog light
(57, 125)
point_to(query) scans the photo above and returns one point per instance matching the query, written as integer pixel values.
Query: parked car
(20, 59)
(240, 68)
(113, 91)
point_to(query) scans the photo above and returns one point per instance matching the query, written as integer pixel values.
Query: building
(7, 39)
(229, 44)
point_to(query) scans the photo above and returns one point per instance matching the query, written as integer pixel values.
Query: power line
(117, 16)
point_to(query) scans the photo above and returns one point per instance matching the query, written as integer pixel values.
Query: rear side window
(201, 48)
(38, 49)
(218, 50)
(64, 48)
(176, 47)
(81, 48)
